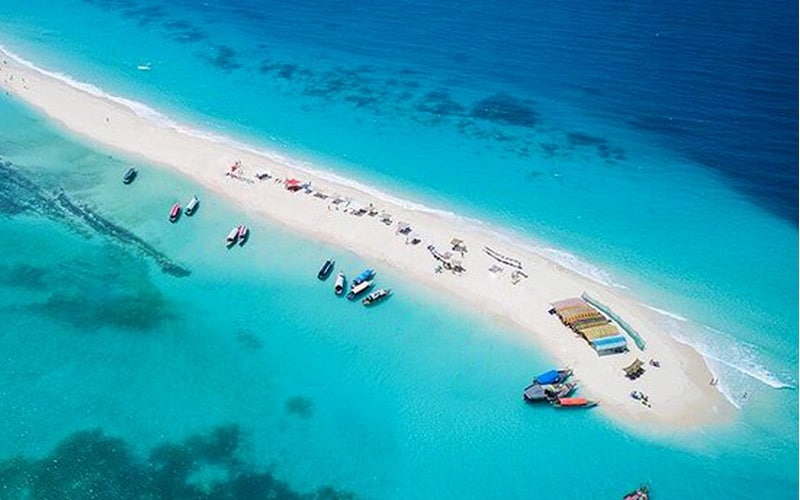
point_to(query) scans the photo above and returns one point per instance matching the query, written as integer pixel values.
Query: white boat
(376, 296)
(359, 289)
(191, 207)
(244, 233)
(338, 287)
(233, 237)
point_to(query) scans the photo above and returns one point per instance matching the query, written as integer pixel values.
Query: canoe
(175, 212)
(233, 236)
(326, 269)
(129, 176)
(192, 206)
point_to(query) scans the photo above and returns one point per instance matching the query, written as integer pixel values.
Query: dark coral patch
(222, 57)
(505, 109)
(440, 103)
(299, 406)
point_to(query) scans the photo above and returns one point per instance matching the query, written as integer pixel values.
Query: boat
(642, 493)
(130, 175)
(338, 287)
(574, 403)
(364, 276)
(326, 269)
(550, 392)
(244, 233)
(557, 376)
(175, 212)
(192, 206)
(376, 296)
(357, 290)
(233, 237)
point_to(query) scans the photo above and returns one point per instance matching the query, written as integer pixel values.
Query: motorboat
(357, 290)
(376, 296)
(233, 237)
(326, 269)
(365, 275)
(338, 287)
(642, 493)
(244, 234)
(130, 175)
(192, 206)
(175, 212)
(550, 392)
(574, 403)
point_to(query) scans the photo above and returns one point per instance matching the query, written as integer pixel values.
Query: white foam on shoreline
(560, 257)
(719, 347)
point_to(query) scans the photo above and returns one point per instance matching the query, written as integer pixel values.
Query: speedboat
(364, 276)
(376, 296)
(244, 233)
(574, 403)
(326, 269)
(129, 176)
(191, 207)
(338, 287)
(357, 290)
(233, 237)
(175, 212)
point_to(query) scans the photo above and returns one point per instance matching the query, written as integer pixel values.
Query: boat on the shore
(326, 269)
(338, 287)
(175, 212)
(233, 237)
(244, 234)
(642, 493)
(574, 403)
(365, 275)
(192, 206)
(130, 175)
(550, 392)
(556, 376)
(358, 289)
(376, 296)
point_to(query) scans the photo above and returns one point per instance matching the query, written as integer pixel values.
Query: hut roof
(567, 303)
(634, 367)
(598, 332)
(580, 315)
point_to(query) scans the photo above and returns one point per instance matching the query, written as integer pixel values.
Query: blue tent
(550, 377)
(613, 343)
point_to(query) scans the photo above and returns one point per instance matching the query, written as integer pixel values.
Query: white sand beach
(678, 390)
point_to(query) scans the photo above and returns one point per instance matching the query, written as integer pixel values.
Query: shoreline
(679, 390)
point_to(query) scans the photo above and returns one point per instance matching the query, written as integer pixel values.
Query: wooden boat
(233, 237)
(642, 493)
(376, 296)
(365, 275)
(574, 403)
(244, 233)
(556, 376)
(175, 212)
(129, 176)
(326, 269)
(192, 206)
(357, 290)
(537, 392)
(338, 287)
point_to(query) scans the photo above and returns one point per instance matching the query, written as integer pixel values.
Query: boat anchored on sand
(326, 269)
(358, 289)
(130, 175)
(192, 206)
(376, 296)
(574, 403)
(175, 212)
(338, 286)
(535, 393)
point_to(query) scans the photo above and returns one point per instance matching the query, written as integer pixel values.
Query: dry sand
(679, 390)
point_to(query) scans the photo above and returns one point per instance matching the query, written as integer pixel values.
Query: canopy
(292, 183)
(615, 343)
(547, 377)
(633, 367)
(567, 303)
(598, 332)
(572, 401)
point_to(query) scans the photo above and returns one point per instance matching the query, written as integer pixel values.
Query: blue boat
(553, 377)
(364, 276)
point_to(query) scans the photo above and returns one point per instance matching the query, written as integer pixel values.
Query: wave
(668, 314)
(560, 257)
(738, 355)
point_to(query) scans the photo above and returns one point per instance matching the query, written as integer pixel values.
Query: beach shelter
(293, 184)
(562, 304)
(605, 345)
(634, 369)
(403, 227)
(548, 377)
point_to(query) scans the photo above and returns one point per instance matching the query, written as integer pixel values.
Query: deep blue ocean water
(653, 146)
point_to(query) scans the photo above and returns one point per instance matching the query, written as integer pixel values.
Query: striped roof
(598, 332)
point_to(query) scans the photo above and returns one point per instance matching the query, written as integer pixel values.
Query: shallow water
(539, 142)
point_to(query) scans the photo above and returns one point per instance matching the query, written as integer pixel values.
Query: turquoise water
(324, 394)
